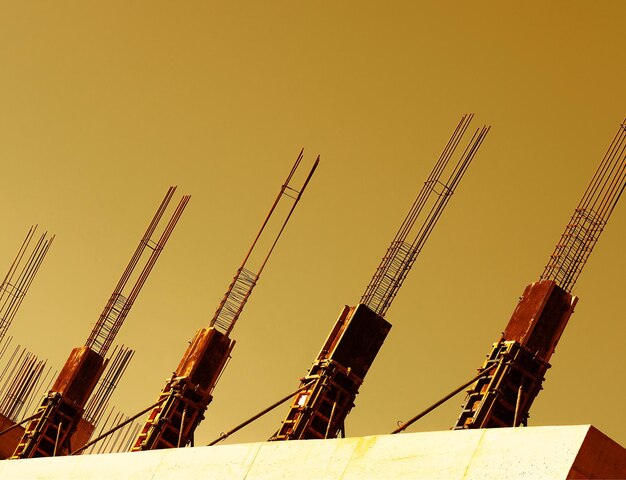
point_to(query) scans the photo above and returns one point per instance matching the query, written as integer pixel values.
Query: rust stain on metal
(335, 377)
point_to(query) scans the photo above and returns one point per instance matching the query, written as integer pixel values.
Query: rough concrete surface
(570, 452)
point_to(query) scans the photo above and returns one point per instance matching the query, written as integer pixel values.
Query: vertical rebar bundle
(241, 287)
(432, 200)
(118, 306)
(590, 216)
(20, 386)
(20, 276)
(117, 365)
(23, 381)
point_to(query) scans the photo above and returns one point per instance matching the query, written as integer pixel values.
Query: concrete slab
(572, 452)
(599, 457)
(433, 455)
(546, 452)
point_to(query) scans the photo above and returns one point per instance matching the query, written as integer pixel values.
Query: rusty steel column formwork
(187, 394)
(59, 417)
(336, 376)
(520, 359)
(337, 373)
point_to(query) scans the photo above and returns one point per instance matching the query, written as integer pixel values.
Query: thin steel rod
(109, 438)
(145, 240)
(145, 272)
(124, 439)
(4, 345)
(16, 291)
(293, 207)
(258, 415)
(117, 427)
(14, 369)
(274, 205)
(133, 431)
(9, 363)
(330, 419)
(517, 406)
(22, 387)
(115, 439)
(374, 297)
(182, 426)
(121, 357)
(28, 419)
(404, 426)
(143, 243)
(38, 387)
(56, 442)
(20, 253)
(104, 424)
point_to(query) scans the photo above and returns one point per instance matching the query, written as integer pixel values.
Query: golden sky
(103, 105)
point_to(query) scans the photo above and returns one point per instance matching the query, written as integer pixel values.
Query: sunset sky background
(103, 105)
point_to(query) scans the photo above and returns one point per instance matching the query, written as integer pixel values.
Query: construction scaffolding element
(23, 379)
(501, 398)
(333, 382)
(522, 355)
(431, 200)
(523, 352)
(20, 276)
(187, 394)
(58, 426)
(266, 410)
(590, 216)
(340, 368)
(61, 410)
